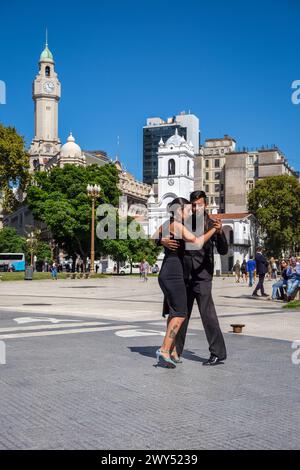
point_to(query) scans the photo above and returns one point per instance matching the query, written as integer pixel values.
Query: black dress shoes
(213, 361)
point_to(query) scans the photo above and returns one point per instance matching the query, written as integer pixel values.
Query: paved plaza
(80, 370)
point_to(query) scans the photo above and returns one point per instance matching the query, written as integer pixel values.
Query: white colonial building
(241, 237)
(175, 178)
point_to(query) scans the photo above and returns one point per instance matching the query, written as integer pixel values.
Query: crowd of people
(284, 288)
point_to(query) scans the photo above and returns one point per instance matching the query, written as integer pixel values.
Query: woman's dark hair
(178, 202)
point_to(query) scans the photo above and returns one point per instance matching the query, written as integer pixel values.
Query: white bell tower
(46, 95)
(175, 169)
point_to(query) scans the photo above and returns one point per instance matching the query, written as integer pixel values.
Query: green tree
(59, 199)
(131, 250)
(11, 242)
(14, 165)
(275, 202)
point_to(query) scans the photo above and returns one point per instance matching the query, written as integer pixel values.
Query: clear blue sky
(230, 62)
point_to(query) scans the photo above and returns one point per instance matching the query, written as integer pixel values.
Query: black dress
(171, 281)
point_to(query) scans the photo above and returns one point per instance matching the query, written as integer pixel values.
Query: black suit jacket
(199, 264)
(261, 263)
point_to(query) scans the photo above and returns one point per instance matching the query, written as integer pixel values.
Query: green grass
(293, 304)
(19, 276)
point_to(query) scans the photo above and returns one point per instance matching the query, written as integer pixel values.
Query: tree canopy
(275, 202)
(59, 199)
(11, 242)
(14, 165)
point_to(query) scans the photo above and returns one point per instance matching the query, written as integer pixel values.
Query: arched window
(47, 71)
(188, 168)
(171, 167)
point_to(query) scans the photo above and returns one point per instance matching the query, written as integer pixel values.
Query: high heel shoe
(164, 361)
(177, 361)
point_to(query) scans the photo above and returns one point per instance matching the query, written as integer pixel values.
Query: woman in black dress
(171, 276)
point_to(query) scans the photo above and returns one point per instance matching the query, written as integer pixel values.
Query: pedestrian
(141, 267)
(269, 272)
(274, 268)
(250, 266)
(293, 273)
(279, 285)
(54, 271)
(172, 279)
(237, 270)
(261, 269)
(146, 268)
(244, 271)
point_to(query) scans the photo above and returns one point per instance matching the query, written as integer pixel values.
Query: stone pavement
(91, 382)
(128, 299)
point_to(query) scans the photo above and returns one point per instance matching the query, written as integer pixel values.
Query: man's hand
(169, 244)
(218, 226)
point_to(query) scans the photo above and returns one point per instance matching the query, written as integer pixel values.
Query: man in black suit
(199, 269)
(261, 270)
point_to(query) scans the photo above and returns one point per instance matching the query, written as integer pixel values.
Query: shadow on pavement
(150, 351)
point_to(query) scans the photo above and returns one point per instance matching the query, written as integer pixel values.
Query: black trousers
(202, 294)
(260, 284)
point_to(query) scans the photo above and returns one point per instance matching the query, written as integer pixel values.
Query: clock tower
(46, 95)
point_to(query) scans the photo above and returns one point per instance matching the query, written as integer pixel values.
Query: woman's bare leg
(173, 326)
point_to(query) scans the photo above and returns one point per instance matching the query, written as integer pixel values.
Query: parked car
(127, 269)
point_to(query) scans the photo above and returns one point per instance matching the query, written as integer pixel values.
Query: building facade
(210, 170)
(243, 169)
(187, 126)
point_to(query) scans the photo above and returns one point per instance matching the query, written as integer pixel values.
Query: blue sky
(230, 62)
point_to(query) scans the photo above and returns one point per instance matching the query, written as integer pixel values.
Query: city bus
(12, 261)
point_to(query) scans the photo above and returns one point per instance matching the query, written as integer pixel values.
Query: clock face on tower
(49, 87)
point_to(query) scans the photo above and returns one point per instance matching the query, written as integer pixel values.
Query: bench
(295, 295)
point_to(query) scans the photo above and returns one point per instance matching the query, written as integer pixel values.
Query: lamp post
(93, 193)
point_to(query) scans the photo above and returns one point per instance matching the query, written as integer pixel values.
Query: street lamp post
(93, 193)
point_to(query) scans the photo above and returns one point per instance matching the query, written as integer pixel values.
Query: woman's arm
(180, 231)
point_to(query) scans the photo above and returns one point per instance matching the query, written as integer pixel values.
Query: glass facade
(151, 138)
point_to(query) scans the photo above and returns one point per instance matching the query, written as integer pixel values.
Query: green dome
(46, 55)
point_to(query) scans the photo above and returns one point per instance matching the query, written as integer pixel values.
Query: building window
(47, 71)
(207, 176)
(217, 200)
(217, 163)
(188, 168)
(222, 199)
(171, 167)
(212, 200)
(207, 188)
(217, 175)
(206, 163)
(222, 187)
(231, 240)
(217, 188)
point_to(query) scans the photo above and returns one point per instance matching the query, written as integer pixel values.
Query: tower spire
(46, 44)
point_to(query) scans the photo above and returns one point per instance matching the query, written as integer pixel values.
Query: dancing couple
(189, 238)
